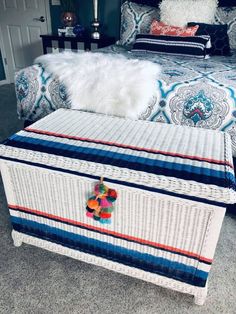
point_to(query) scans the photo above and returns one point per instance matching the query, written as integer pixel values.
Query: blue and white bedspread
(193, 92)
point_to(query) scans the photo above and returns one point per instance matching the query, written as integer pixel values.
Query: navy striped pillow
(197, 46)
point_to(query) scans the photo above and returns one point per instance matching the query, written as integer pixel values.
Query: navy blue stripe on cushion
(118, 254)
(192, 46)
(155, 166)
(129, 184)
(129, 147)
(111, 235)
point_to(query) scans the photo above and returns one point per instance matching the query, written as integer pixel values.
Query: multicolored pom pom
(112, 195)
(90, 215)
(105, 221)
(100, 205)
(93, 204)
(105, 203)
(100, 189)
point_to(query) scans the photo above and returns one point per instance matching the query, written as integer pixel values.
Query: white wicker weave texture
(171, 181)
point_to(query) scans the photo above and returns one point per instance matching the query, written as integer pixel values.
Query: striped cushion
(161, 153)
(197, 46)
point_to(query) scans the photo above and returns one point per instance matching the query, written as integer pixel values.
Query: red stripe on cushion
(150, 150)
(110, 232)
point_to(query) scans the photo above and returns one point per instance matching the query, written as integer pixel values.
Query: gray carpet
(35, 281)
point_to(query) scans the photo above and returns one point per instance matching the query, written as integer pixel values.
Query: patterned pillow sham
(160, 28)
(150, 3)
(135, 19)
(219, 37)
(196, 46)
(227, 15)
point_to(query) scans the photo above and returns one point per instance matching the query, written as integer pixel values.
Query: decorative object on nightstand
(95, 24)
(61, 31)
(69, 31)
(68, 16)
(79, 31)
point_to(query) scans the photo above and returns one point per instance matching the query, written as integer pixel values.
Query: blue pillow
(219, 37)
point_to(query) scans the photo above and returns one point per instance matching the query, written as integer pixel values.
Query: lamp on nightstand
(95, 24)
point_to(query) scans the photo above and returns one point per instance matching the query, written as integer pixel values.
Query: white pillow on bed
(104, 83)
(180, 12)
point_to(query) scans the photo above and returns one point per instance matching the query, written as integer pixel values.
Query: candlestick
(95, 6)
(95, 34)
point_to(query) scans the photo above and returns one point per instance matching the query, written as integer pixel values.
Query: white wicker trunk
(164, 229)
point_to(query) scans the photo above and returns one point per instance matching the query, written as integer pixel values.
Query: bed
(190, 91)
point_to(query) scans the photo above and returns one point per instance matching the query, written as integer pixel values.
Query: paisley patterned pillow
(227, 15)
(136, 19)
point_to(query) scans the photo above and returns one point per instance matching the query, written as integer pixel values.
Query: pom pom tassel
(100, 205)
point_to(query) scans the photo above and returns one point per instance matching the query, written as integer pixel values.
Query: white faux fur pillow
(180, 12)
(105, 83)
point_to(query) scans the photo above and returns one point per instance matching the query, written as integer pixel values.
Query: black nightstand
(55, 43)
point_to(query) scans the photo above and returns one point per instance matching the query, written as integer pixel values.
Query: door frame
(2, 48)
(5, 66)
(48, 16)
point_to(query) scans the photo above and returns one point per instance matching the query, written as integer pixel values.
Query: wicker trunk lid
(190, 162)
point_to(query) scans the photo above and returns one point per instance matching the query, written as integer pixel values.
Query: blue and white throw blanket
(191, 92)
